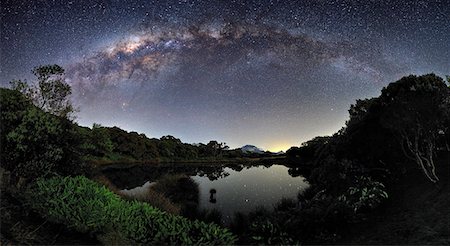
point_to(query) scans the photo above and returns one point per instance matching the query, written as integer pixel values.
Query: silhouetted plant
(50, 92)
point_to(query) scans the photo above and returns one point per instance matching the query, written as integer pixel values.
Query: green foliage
(215, 148)
(96, 141)
(365, 193)
(35, 143)
(266, 233)
(13, 107)
(114, 143)
(87, 206)
(172, 148)
(38, 140)
(101, 139)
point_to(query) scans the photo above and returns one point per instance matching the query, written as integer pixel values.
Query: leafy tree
(101, 141)
(360, 109)
(307, 153)
(415, 111)
(366, 139)
(131, 145)
(215, 148)
(36, 143)
(33, 144)
(40, 139)
(50, 92)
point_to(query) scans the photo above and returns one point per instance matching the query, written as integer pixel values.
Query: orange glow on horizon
(279, 147)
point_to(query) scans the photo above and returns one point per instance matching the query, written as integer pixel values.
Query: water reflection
(226, 190)
(246, 189)
(212, 192)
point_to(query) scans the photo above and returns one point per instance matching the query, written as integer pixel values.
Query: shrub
(365, 193)
(87, 206)
(148, 195)
(266, 233)
(35, 143)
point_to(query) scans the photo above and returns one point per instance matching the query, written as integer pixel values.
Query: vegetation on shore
(353, 172)
(42, 149)
(89, 207)
(46, 161)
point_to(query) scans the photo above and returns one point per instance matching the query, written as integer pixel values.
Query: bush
(364, 194)
(181, 190)
(266, 233)
(35, 143)
(87, 206)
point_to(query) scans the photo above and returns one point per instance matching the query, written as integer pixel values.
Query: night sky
(268, 73)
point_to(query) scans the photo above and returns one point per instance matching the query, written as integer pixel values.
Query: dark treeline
(408, 123)
(113, 143)
(352, 174)
(46, 159)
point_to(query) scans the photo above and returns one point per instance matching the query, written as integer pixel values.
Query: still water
(243, 191)
(227, 189)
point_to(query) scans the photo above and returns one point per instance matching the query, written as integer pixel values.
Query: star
(241, 72)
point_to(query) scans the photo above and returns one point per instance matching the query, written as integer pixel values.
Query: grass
(155, 199)
(87, 206)
(148, 195)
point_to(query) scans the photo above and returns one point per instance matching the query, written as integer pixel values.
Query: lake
(231, 189)
(243, 191)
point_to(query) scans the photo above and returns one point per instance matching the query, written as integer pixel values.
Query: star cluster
(269, 73)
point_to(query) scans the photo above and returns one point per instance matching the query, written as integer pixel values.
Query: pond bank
(225, 190)
(101, 165)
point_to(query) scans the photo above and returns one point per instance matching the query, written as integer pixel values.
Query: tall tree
(415, 111)
(216, 148)
(49, 92)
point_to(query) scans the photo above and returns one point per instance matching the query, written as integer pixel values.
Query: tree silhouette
(415, 111)
(50, 92)
(216, 148)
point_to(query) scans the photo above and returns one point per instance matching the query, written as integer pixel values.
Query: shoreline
(101, 165)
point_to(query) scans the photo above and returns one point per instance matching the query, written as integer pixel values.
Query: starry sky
(268, 73)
